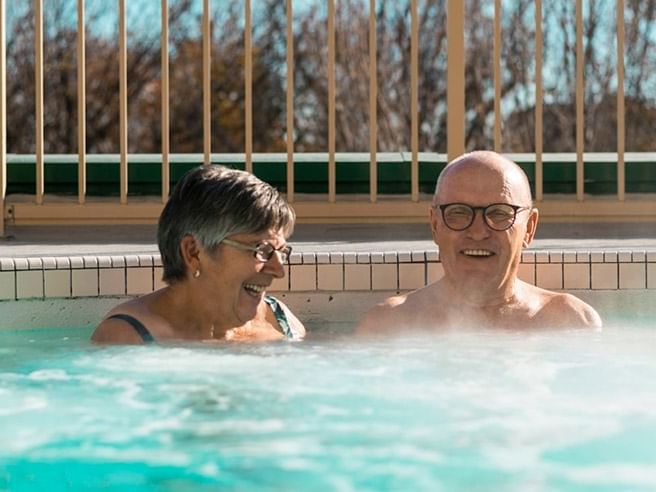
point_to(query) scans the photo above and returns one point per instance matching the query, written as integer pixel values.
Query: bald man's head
(487, 169)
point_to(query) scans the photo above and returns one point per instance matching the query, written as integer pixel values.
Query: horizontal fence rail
(334, 198)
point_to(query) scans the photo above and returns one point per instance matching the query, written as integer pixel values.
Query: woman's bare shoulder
(119, 331)
(115, 331)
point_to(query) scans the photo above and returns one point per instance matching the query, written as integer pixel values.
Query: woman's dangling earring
(197, 274)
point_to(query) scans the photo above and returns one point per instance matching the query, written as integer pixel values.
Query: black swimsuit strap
(137, 325)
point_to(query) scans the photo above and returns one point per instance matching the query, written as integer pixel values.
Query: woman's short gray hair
(212, 203)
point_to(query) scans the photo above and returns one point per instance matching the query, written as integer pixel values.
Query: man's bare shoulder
(561, 309)
(381, 318)
(393, 313)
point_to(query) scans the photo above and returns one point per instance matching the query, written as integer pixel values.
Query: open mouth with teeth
(477, 253)
(255, 290)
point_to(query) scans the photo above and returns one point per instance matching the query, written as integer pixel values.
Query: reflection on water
(493, 410)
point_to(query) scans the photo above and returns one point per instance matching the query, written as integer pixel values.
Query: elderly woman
(222, 237)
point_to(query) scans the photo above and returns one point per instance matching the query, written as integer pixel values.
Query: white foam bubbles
(14, 404)
(49, 375)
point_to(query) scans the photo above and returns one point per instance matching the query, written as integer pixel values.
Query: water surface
(565, 410)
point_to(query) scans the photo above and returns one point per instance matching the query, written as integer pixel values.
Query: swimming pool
(457, 411)
(469, 411)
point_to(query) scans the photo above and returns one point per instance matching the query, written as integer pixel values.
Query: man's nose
(275, 265)
(478, 229)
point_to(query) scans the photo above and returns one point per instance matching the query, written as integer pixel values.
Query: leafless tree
(393, 71)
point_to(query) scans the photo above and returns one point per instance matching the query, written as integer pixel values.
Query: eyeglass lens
(498, 216)
(265, 251)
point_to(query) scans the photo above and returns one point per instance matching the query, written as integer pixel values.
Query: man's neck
(481, 298)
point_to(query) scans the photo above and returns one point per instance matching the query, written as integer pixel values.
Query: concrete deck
(34, 241)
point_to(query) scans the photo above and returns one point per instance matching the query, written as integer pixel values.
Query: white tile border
(323, 258)
(309, 258)
(638, 256)
(350, 257)
(344, 270)
(391, 257)
(7, 265)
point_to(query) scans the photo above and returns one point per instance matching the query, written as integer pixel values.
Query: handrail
(38, 97)
(374, 159)
(207, 65)
(414, 102)
(621, 176)
(248, 85)
(580, 96)
(497, 75)
(332, 174)
(123, 100)
(81, 106)
(290, 103)
(456, 78)
(373, 96)
(166, 123)
(3, 116)
(539, 170)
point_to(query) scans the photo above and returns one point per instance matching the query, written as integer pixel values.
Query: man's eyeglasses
(497, 216)
(262, 251)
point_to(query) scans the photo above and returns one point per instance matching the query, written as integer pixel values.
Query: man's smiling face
(479, 258)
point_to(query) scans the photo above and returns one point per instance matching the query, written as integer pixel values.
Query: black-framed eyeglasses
(497, 216)
(262, 251)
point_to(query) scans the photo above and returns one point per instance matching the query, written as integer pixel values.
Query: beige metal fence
(330, 208)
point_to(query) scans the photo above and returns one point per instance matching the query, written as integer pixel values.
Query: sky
(143, 18)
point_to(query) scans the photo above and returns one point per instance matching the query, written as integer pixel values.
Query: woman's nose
(275, 266)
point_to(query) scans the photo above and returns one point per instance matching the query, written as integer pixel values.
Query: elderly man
(481, 218)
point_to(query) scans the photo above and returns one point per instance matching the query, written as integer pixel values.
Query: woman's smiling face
(235, 281)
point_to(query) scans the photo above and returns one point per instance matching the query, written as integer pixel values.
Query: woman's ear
(190, 250)
(531, 227)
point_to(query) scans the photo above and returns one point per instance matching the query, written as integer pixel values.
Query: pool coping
(45, 277)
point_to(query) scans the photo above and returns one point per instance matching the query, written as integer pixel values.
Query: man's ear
(190, 250)
(531, 227)
(434, 218)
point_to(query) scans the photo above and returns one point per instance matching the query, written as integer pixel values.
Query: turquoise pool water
(475, 411)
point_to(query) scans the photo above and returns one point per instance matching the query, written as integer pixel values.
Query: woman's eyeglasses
(262, 251)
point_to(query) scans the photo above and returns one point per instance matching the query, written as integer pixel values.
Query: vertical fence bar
(3, 117)
(373, 96)
(580, 94)
(497, 75)
(455, 93)
(332, 175)
(207, 101)
(414, 104)
(38, 97)
(123, 100)
(620, 102)
(166, 122)
(81, 107)
(290, 102)
(248, 81)
(539, 97)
